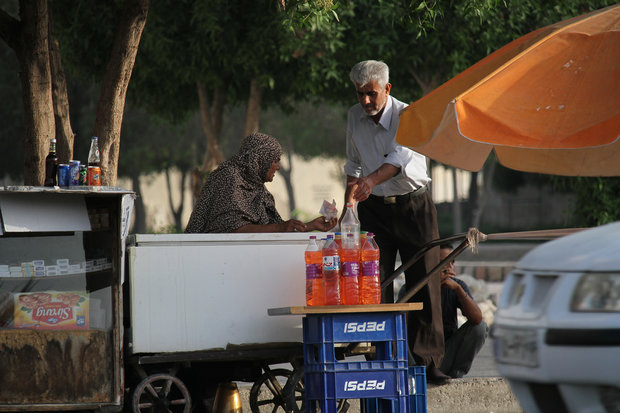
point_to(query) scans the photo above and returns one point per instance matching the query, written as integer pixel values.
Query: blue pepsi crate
(416, 398)
(387, 332)
(355, 380)
(354, 327)
(417, 389)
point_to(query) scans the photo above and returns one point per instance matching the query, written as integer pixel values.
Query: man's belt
(395, 199)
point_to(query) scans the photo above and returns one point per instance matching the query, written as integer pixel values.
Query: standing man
(390, 183)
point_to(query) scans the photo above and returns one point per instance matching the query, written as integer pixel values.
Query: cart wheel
(161, 393)
(294, 393)
(267, 393)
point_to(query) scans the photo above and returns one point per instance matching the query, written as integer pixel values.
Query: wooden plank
(338, 309)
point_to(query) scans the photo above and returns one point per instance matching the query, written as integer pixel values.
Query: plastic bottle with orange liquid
(315, 290)
(370, 283)
(331, 272)
(350, 271)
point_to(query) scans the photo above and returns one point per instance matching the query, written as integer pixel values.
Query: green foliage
(151, 144)
(85, 31)
(597, 201)
(310, 131)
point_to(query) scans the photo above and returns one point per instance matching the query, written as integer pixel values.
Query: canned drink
(63, 174)
(94, 176)
(74, 173)
(83, 174)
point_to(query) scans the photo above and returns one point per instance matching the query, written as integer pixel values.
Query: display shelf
(60, 289)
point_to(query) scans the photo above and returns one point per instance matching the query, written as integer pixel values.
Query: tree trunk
(487, 176)
(473, 199)
(252, 116)
(115, 83)
(139, 224)
(60, 97)
(211, 115)
(287, 174)
(426, 84)
(177, 213)
(456, 205)
(29, 40)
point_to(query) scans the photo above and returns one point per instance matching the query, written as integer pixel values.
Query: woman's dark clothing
(234, 194)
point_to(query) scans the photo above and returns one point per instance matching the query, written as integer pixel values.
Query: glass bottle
(51, 166)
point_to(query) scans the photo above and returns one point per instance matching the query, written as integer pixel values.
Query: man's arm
(359, 189)
(469, 307)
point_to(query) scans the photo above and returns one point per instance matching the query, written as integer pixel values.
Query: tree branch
(9, 29)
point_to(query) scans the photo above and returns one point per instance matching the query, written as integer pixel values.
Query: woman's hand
(293, 225)
(321, 224)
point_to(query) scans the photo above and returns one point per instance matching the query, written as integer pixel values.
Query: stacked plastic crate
(384, 379)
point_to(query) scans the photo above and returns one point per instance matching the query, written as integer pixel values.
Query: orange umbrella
(548, 102)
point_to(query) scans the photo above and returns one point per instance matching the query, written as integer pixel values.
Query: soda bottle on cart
(331, 272)
(51, 166)
(370, 282)
(350, 224)
(350, 271)
(315, 290)
(93, 174)
(338, 241)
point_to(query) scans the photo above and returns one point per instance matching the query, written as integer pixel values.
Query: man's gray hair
(370, 70)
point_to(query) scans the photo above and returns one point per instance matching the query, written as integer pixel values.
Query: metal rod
(404, 267)
(417, 287)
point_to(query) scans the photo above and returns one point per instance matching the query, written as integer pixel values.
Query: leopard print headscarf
(234, 194)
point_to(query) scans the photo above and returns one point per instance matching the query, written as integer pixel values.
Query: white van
(557, 327)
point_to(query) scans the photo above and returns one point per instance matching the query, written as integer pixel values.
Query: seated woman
(234, 197)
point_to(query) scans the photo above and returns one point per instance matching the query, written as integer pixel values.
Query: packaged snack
(51, 310)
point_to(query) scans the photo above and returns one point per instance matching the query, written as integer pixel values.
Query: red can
(94, 176)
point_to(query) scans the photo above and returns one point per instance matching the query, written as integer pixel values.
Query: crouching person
(463, 343)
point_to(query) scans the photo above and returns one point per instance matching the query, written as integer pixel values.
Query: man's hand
(448, 282)
(361, 188)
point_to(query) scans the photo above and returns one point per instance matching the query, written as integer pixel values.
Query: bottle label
(370, 268)
(331, 263)
(313, 271)
(350, 269)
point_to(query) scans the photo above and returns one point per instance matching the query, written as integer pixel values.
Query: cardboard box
(75, 269)
(52, 310)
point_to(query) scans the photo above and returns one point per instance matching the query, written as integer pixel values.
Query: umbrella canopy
(548, 102)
